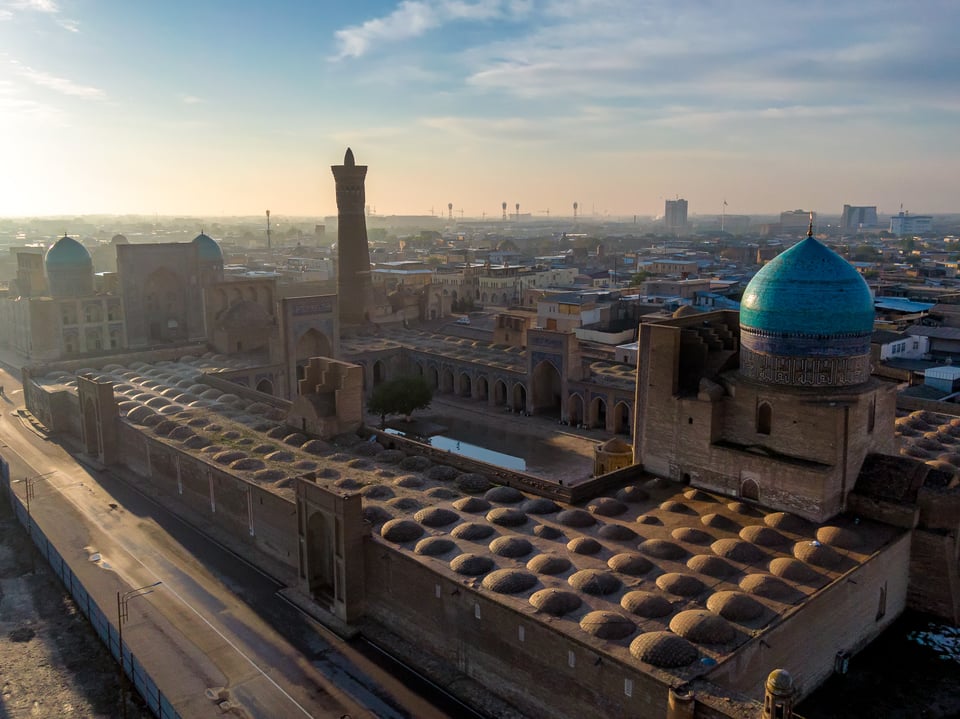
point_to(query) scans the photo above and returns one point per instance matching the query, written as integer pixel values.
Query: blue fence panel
(137, 676)
(56, 563)
(81, 598)
(150, 693)
(155, 700)
(166, 709)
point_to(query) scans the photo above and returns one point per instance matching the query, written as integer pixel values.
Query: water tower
(504, 210)
(576, 205)
(518, 212)
(450, 211)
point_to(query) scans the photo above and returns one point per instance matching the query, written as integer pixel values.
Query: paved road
(215, 627)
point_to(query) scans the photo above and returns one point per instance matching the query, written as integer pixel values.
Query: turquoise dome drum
(806, 319)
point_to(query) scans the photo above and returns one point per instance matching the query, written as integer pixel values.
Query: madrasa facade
(766, 529)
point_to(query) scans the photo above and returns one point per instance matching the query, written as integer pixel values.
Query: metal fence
(139, 678)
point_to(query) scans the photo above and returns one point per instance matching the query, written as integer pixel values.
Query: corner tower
(354, 285)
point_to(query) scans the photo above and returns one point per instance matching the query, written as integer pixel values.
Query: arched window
(749, 489)
(764, 418)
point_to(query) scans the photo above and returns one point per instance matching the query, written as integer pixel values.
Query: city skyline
(226, 109)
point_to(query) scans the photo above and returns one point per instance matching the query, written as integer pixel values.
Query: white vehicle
(463, 320)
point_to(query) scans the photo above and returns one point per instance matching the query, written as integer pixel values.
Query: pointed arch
(575, 410)
(598, 413)
(764, 418)
(165, 310)
(622, 423)
(482, 388)
(312, 343)
(519, 398)
(547, 388)
(446, 381)
(499, 393)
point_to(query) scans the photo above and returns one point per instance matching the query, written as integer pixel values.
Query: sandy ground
(52, 664)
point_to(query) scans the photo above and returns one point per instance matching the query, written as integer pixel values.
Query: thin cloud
(45, 7)
(413, 18)
(750, 57)
(17, 109)
(60, 85)
(191, 100)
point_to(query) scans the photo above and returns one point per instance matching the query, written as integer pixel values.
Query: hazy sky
(217, 106)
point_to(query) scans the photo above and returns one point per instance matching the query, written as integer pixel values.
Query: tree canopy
(402, 395)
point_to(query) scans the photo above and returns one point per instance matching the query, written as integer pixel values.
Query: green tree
(639, 278)
(402, 395)
(865, 253)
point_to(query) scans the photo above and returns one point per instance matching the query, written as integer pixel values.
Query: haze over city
(230, 108)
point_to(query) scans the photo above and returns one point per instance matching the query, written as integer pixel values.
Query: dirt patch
(21, 634)
(52, 664)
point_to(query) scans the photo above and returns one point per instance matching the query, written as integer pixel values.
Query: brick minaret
(354, 286)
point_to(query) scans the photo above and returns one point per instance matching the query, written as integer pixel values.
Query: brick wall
(532, 672)
(845, 615)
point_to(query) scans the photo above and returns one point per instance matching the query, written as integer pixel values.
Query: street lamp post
(123, 599)
(28, 493)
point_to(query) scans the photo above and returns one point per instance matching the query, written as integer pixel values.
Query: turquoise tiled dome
(67, 253)
(209, 250)
(806, 321)
(809, 291)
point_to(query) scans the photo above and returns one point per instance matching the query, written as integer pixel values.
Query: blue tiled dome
(209, 250)
(806, 321)
(67, 253)
(808, 291)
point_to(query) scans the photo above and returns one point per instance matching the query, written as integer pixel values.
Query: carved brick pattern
(804, 371)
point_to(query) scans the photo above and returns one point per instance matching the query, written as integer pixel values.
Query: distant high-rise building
(907, 224)
(858, 217)
(796, 220)
(675, 215)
